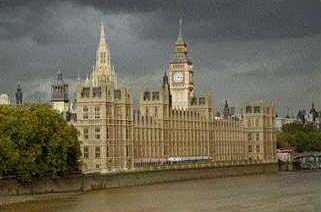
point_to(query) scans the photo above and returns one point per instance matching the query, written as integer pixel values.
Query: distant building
(19, 95)
(4, 99)
(312, 117)
(301, 116)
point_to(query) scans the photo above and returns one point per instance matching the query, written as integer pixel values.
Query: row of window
(97, 112)
(85, 111)
(256, 109)
(249, 136)
(97, 152)
(153, 94)
(257, 149)
(174, 135)
(96, 91)
(97, 133)
(86, 153)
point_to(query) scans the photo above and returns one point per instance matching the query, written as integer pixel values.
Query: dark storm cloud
(33, 19)
(233, 19)
(204, 19)
(240, 49)
(295, 57)
(221, 19)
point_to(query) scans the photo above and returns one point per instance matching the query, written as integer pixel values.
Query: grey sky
(241, 50)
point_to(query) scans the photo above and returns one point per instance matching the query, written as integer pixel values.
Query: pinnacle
(102, 31)
(180, 32)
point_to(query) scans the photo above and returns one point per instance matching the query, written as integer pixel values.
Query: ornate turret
(226, 111)
(19, 95)
(59, 93)
(59, 89)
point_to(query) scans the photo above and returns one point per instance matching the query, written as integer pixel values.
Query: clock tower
(181, 74)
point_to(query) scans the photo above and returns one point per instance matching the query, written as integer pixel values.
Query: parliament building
(172, 124)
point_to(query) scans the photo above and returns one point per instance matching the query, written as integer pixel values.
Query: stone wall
(89, 182)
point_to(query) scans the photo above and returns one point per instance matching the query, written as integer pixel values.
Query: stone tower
(59, 93)
(181, 74)
(260, 136)
(104, 117)
(19, 95)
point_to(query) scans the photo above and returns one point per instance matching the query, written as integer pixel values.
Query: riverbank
(283, 191)
(10, 200)
(11, 191)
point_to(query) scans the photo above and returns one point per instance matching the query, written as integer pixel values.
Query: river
(285, 191)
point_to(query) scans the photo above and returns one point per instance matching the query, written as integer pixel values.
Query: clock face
(178, 77)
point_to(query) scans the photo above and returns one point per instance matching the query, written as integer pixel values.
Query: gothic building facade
(172, 124)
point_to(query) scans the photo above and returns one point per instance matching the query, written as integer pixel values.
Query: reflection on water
(292, 191)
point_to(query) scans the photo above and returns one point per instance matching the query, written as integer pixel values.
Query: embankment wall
(87, 182)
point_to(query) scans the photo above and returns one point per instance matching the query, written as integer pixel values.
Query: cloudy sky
(241, 50)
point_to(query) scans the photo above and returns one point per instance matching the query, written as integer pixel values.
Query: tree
(304, 137)
(35, 142)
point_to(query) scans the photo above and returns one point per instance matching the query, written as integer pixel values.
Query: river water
(285, 191)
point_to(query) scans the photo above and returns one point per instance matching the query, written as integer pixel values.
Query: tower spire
(103, 70)
(180, 32)
(102, 32)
